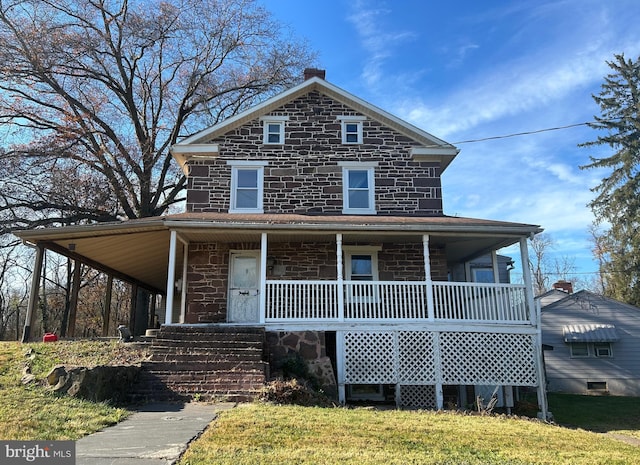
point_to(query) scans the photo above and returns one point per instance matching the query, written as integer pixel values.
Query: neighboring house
(591, 344)
(319, 218)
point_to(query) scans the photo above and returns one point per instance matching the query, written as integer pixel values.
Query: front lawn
(269, 434)
(33, 412)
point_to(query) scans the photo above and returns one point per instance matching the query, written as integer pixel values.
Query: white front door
(244, 286)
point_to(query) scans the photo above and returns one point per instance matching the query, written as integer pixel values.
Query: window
(273, 129)
(597, 385)
(602, 349)
(579, 349)
(246, 186)
(358, 190)
(483, 275)
(351, 129)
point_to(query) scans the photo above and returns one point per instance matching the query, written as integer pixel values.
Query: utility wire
(537, 131)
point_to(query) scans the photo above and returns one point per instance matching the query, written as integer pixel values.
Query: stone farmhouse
(314, 229)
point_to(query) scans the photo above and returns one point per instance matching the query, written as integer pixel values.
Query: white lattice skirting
(421, 358)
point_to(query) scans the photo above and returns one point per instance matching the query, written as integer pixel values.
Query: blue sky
(466, 70)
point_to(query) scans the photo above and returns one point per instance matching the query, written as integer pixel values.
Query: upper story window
(351, 129)
(358, 187)
(247, 181)
(273, 129)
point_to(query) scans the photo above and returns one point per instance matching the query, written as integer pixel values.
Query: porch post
(528, 282)
(33, 294)
(494, 266)
(535, 321)
(263, 277)
(427, 277)
(183, 290)
(107, 306)
(342, 395)
(340, 277)
(73, 305)
(171, 277)
(438, 362)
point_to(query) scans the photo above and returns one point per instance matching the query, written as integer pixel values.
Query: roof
(590, 333)
(428, 146)
(139, 248)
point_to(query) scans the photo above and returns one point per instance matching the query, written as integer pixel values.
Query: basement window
(596, 385)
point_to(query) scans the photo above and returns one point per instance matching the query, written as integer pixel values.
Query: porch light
(271, 262)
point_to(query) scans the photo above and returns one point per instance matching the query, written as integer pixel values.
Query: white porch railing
(295, 301)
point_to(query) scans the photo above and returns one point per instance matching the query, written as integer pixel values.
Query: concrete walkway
(156, 434)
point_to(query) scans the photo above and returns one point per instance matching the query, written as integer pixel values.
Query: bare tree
(96, 91)
(13, 290)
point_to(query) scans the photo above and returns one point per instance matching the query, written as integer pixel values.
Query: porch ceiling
(139, 249)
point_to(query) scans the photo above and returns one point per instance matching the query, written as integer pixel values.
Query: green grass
(268, 434)
(32, 411)
(603, 414)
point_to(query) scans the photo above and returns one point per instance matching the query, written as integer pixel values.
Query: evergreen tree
(617, 203)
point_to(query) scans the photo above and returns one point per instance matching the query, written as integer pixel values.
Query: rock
(28, 378)
(54, 375)
(96, 384)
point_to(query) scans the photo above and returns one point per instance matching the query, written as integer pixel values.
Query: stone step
(213, 366)
(190, 357)
(204, 344)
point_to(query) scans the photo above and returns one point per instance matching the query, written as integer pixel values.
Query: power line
(526, 133)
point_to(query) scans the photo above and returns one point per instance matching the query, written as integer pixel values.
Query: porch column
(437, 354)
(427, 277)
(107, 306)
(171, 278)
(33, 294)
(528, 282)
(263, 277)
(494, 266)
(183, 290)
(535, 321)
(73, 305)
(342, 396)
(340, 277)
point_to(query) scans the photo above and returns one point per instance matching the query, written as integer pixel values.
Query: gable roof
(429, 148)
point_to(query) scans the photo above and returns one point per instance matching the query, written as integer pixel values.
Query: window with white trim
(351, 127)
(358, 188)
(247, 181)
(602, 349)
(273, 129)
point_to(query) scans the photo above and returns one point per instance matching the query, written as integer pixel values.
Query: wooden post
(33, 293)
(132, 309)
(107, 306)
(263, 277)
(340, 276)
(73, 304)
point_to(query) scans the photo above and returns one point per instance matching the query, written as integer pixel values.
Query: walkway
(157, 434)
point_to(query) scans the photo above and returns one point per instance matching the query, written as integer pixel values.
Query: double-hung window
(358, 187)
(351, 127)
(247, 179)
(273, 129)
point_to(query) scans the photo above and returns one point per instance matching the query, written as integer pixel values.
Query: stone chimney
(563, 285)
(314, 72)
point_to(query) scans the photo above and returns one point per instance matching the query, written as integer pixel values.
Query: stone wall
(208, 269)
(303, 175)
